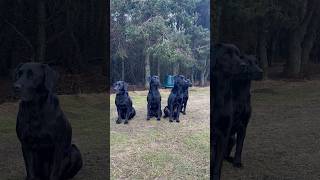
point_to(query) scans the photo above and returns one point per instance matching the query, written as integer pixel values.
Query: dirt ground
(160, 149)
(87, 114)
(283, 137)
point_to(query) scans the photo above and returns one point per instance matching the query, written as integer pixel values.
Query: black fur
(175, 99)
(226, 65)
(42, 128)
(186, 85)
(154, 99)
(241, 99)
(123, 102)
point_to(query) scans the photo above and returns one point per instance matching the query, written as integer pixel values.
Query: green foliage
(159, 28)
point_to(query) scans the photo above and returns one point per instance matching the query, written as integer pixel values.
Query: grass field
(283, 137)
(160, 149)
(87, 114)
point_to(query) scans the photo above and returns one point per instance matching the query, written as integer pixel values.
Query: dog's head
(120, 87)
(32, 79)
(254, 72)
(227, 60)
(179, 80)
(154, 81)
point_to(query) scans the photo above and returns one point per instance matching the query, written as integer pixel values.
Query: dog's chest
(122, 101)
(32, 131)
(154, 97)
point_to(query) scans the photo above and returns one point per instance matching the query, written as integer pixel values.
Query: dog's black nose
(17, 87)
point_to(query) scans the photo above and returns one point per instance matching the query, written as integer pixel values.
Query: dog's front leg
(118, 121)
(127, 116)
(171, 113)
(184, 107)
(148, 111)
(240, 140)
(217, 151)
(58, 156)
(159, 112)
(29, 158)
(178, 112)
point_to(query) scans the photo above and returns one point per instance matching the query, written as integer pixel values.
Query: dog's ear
(15, 71)
(50, 78)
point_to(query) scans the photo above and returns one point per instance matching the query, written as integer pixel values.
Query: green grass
(160, 149)
(87, 114)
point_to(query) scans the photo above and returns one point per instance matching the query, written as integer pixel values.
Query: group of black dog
(231, 75)
(45, 133)
(177, 100)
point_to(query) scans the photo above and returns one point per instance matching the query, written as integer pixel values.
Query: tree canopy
(159, 37)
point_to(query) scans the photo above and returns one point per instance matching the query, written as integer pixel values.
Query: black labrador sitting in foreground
(241, 99)
(123, 102)
(187, 84)
(174, 107)
(226, 65)
(154, 99)
(42, 128)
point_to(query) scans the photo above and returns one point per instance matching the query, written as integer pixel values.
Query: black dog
(173, 109)
(42, 128)
(154, 98)
(226, 65)
(186, 85)
(241, 99)
(123, 102)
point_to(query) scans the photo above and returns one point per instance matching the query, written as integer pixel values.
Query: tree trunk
(123, 69)
(308, 44)
(272, 52)
(219, 9)
(294, 59)
(41, 50)
(176, 68)
(263, 52)
(147, 68)
(192, 76)
(158, 68)
(293, 65)
(202, 79)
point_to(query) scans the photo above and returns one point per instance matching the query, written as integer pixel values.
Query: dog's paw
(237, 165)
(229, 159)
(118, 121)
(177, 120)
(126, 122)
(158, 119)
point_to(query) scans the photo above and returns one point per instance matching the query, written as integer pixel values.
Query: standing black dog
(173, 109)
(154, 98)
(186, 85)
(123, 102)
(241, 99)
(226, 65)
(42, 128)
